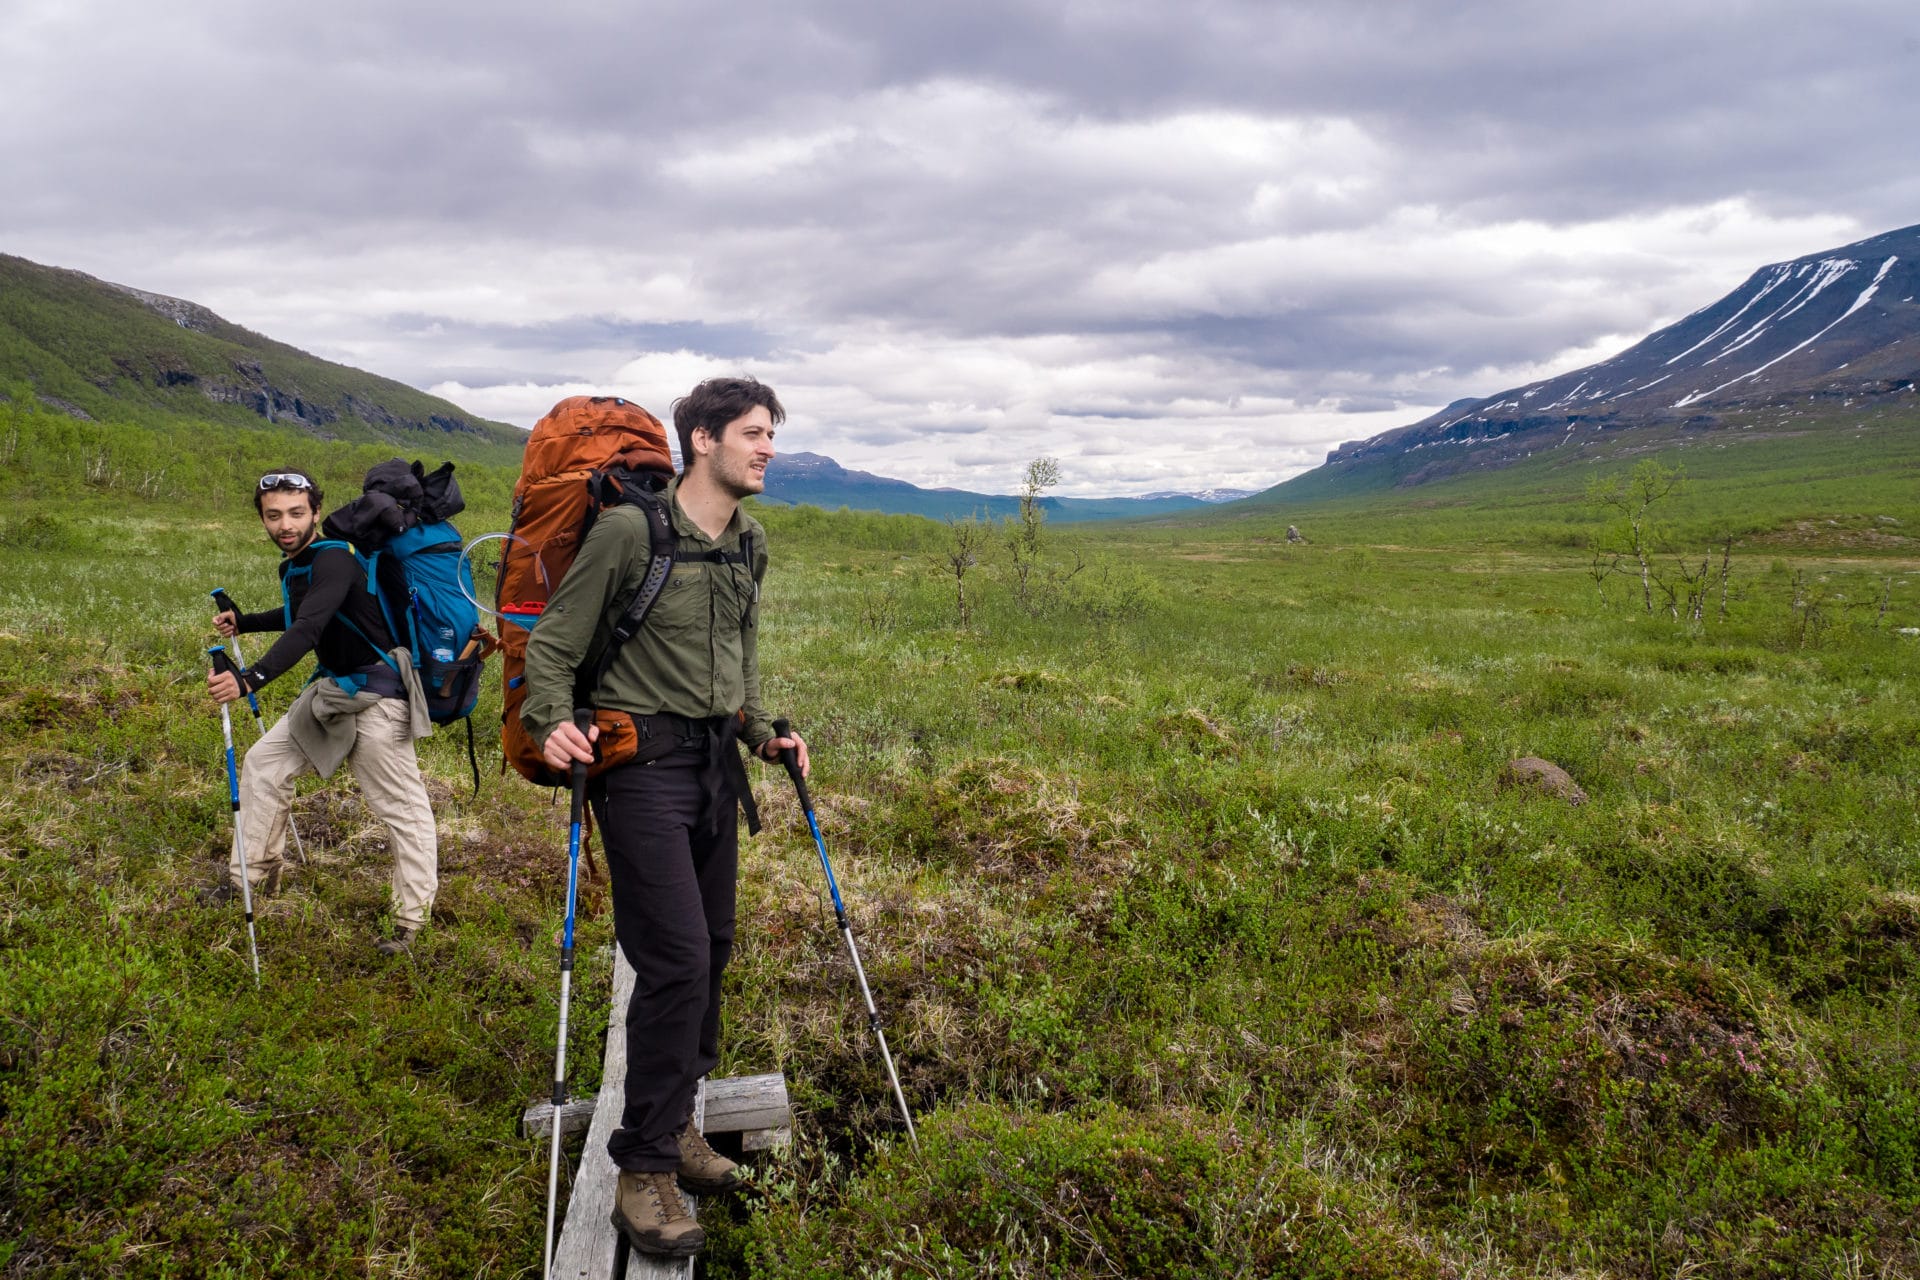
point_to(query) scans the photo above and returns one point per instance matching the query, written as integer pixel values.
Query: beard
(289, 541)
(738, 479)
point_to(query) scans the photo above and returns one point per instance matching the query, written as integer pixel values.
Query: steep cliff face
(1840, 329)
(88, 346)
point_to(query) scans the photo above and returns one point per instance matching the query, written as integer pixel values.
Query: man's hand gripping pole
(223, 603)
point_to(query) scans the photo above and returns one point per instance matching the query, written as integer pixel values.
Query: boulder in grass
(1543, 776)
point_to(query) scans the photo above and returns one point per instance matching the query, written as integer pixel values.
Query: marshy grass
(1210, 937)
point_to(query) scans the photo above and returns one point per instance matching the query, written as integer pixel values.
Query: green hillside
(1758, 476)
(94, 351)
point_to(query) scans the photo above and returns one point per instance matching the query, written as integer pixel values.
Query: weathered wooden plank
(741, 1104)
(736, 1104)
(765, 1139)
(576, 1114)
(587, 1242)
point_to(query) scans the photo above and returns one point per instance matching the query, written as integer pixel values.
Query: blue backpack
(437, 621)
(429, 606)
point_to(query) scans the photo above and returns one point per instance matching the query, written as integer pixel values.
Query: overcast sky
(1175, 245)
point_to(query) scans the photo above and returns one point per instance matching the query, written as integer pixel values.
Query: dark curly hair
(714, 403)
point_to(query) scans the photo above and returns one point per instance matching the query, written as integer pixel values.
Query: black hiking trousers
(673, 853)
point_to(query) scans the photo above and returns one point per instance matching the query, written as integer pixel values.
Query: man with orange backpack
(671, 700)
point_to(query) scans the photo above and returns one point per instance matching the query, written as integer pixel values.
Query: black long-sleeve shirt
(323, 603)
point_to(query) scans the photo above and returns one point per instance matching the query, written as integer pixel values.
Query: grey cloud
(596, 333)
(1111, 413)
(1082, 219)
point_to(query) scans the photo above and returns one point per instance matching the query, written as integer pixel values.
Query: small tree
(965, 540)
(1603, 565)
(1632, 498)
(1026, 536)
(1726, 571)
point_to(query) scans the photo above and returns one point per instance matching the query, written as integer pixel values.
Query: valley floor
(1210, 931)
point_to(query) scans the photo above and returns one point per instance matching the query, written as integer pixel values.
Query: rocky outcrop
(256, 393)
(272, 404)
(67, 407)
(188, 315)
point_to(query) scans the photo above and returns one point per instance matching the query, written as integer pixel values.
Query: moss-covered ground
(1210, 934)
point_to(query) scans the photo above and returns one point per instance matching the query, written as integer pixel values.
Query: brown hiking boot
(393, 946)
(648, 1211)
(701, 1167)
(218, 895)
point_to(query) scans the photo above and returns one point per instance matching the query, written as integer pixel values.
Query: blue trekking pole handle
(223, 665)
(583, 721)
(224, 603)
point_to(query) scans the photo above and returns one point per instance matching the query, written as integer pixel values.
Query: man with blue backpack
(365, 705)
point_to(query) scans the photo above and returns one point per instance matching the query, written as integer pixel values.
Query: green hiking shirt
(695, 656)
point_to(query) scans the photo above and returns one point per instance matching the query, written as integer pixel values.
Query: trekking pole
(582, 720)
(224, 603)
(224, 665)
(791, 760)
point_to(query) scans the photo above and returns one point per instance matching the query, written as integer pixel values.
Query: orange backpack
(588, 453)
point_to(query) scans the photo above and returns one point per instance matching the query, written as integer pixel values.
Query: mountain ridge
(1839, 327)
(93, 348)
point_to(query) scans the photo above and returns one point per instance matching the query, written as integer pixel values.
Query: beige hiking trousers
(383, 762)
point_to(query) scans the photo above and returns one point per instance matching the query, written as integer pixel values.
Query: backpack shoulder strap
(373, 588)
(288, 574)
(661, 544)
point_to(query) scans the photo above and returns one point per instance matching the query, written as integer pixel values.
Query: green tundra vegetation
(1212, 932)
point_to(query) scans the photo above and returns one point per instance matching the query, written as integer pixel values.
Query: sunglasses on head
(284, 480)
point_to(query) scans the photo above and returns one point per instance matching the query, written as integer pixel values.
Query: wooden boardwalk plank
(746, 1105)
(755, 1106)
(588, 1241)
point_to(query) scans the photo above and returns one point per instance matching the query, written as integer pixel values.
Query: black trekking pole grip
(223, 665)
(583, 721)
(224, 602)
(791, 758)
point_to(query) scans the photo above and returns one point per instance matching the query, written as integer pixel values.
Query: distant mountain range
(94, 349)
(1837, 331)
(815, 480)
